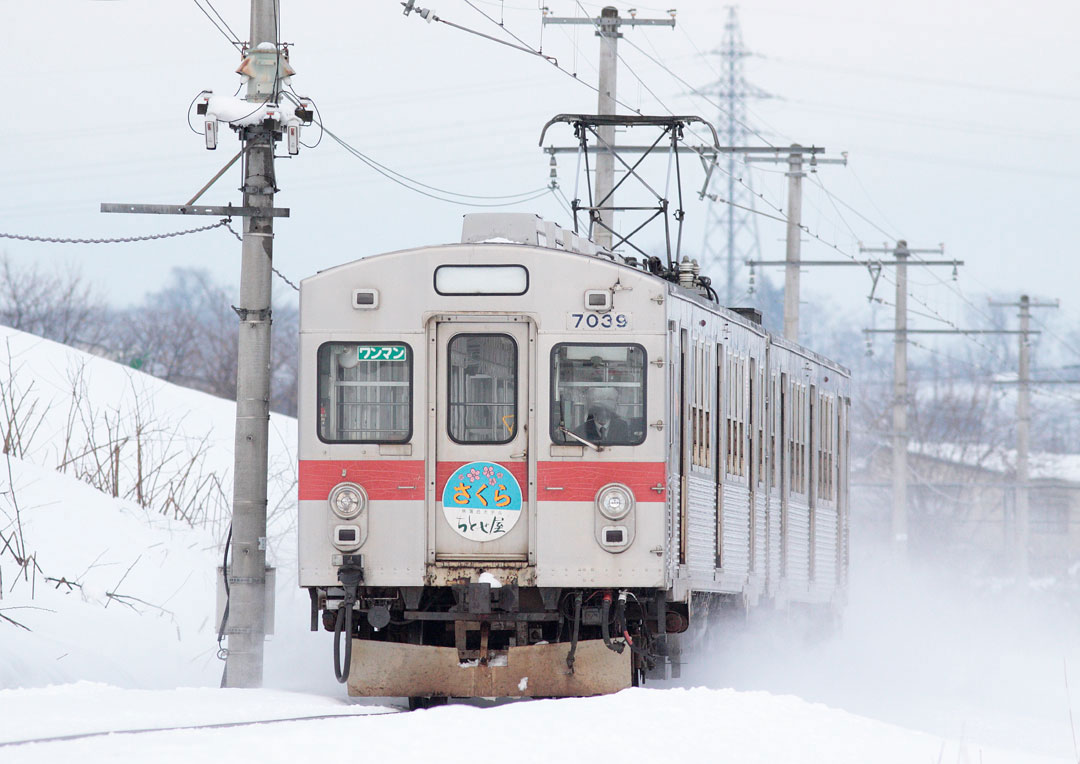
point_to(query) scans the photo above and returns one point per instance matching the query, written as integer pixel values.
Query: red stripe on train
(580, 481)
(382, 479)
(393, 479)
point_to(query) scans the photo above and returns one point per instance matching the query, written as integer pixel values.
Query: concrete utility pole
(607, 29)
(265, 67)
(794, 246)
(900, 404)
(247, 578)
(901, 253)
(793, 249)
(1023, 442)
(1022, 524)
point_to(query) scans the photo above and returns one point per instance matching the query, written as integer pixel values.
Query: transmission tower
(731, 232)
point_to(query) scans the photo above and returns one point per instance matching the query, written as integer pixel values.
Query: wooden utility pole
(607, 29)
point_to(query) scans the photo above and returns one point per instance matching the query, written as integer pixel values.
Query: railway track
(221, 725)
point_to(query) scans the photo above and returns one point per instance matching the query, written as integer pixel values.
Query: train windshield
(365, 393)
(598, 394)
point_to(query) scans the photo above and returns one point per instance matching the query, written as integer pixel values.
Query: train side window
(701, 416)
(482, 388)
(365, 392)
(796, 438)
(736, 430)
(827, 446)
(598, 393)
(799, 426)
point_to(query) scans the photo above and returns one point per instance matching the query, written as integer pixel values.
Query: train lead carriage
(525, 465)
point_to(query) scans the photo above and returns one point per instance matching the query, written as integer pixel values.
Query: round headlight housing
(614, 501)
(347, 500)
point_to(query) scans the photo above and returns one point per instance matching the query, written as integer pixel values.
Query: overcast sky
(959, 118)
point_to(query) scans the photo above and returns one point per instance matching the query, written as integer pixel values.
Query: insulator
(553, 163)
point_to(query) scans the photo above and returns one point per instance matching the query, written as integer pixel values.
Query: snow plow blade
(381, 669)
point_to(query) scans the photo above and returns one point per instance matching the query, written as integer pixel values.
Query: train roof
(529, 231)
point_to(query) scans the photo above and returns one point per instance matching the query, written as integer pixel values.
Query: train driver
(603, 424)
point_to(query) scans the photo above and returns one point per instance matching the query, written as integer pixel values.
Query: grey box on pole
(270, 590)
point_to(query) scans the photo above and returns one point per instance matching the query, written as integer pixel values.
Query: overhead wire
(783, 217)
(697, 92)
(860, 72)
(528, 49)
(114, 240)
(629, 68)
(411, 184)
(228, 35)
(419, 187)
(225, 23)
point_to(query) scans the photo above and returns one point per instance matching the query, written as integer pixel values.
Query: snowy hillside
(115, 497)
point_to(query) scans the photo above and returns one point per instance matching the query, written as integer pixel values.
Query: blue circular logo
(482, 501)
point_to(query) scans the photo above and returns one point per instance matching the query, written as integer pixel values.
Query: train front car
(527, 467)
(482, 466)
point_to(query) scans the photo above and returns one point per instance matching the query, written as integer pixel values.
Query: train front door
(480, 423)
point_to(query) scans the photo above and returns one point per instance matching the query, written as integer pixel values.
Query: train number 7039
(597, 320)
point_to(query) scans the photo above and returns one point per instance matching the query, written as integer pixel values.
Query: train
(530, 467)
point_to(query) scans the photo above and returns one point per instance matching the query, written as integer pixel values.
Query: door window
(482, 390)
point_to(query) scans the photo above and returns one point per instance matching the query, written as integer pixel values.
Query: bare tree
(186, 333)
(59, 305)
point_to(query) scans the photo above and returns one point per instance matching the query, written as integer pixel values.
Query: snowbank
(120, 484)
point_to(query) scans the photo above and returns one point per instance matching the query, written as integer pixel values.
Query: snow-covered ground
(112, 626)
(685, 725)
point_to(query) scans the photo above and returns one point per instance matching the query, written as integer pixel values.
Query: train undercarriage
(430, 643)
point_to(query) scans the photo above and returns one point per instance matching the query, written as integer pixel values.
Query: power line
(118, 240)
(524, 47)
(836, 200)
(222, 20)
(698, 93)
(924, 80)
(233, 40)
(273, 268)
(405, 182)
(623, 60)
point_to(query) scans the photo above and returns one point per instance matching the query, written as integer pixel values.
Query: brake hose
(605, 629)
(574, 632)
(350, 577)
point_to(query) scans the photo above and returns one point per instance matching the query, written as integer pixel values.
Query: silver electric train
(528, 466)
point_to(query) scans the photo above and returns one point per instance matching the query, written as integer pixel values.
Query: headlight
(614, 501)
(347, 500)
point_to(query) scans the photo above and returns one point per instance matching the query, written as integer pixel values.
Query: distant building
(962, 506)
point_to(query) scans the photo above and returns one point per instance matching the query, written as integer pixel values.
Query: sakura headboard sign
(482, 501)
